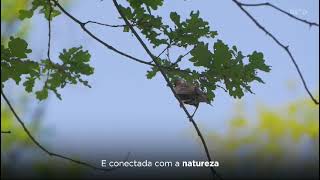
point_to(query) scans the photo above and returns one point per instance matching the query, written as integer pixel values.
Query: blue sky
(124, 111)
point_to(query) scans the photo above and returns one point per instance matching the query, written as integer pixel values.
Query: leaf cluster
(212, 64)
(45, 7)
(16, 65)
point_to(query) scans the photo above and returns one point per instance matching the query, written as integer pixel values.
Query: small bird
(190, 94)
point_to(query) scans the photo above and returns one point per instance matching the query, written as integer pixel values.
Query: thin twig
(283, 11)
(168, 54)
(165, 49)
(224, 89)
(49, 41)
(194, 112)
(103, 24)
(286, 48)
(45, 149)
(169, 84)
(5, 132)
(180, 58)
(49, 30)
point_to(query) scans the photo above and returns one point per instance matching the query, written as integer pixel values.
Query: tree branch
(103, 24)
(286, 48)
(165, 49)
(224, 89)
(5, 132)
(37, 143)
(49, 30)
(49, 40)
(180, 58)
(169, 84)
(283, 11)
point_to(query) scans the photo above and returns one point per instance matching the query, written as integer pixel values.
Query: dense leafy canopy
(212, 62)
(219, 63)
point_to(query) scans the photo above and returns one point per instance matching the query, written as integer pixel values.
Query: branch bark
(49, 30)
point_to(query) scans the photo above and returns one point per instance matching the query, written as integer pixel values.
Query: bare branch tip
(5, 132)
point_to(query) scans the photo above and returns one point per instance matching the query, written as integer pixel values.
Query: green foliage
(154, 70)
(190, 31)
(153, 4)
(212, 66)
(149, 25)
(75, 64)
(45, 8)
(15, 64)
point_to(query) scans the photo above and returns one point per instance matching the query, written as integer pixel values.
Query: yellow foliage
(238, 122)
(273, 140)
(12, 8)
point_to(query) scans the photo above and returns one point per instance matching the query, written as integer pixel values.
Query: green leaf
(221, 54)
(23, 14)
(77, 60)
(45, 8)
(43, 94)
(256, 60)
(175, 18)
(29, 83)
(126, 29)
(234, 48)
(154, 4)
(14, 62)
(201, 55)
(15, 65)
(127, 12)
(190, 31)
(151, 74)
(18, 47)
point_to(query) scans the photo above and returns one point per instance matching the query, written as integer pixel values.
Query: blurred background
(264, 134)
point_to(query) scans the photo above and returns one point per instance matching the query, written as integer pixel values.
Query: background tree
(284, 140)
